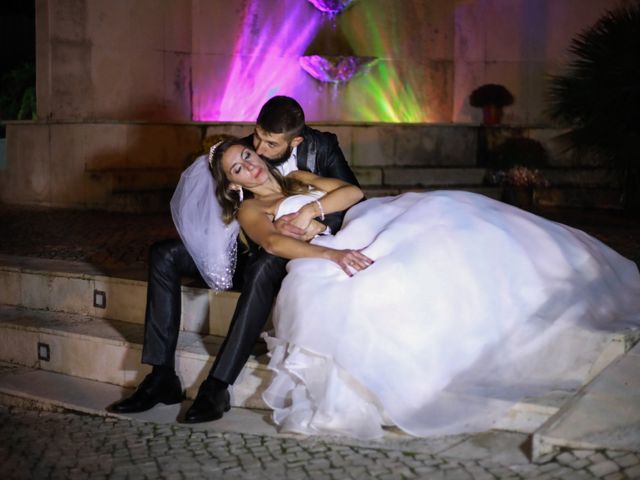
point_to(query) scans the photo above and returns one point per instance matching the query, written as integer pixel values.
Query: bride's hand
(305, 216)
(285, 226)
(315, 228)
(350, 260)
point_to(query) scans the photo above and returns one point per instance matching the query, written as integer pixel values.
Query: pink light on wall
(264, 61)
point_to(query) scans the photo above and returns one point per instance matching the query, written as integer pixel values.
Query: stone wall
(135, 166)
(84, 165)
(119, 84)
(219, 60)
(113, 59)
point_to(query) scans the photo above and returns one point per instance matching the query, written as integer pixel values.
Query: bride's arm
(339, 196)
(258, 226)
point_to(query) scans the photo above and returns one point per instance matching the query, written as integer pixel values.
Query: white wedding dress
(470, 306)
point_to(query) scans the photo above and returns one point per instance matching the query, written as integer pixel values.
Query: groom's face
(275, 148)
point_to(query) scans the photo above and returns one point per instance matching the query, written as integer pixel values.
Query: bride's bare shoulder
(250, 204)
(254, 207)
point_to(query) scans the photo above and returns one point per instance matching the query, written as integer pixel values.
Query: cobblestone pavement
(39, 444)
(123, 239)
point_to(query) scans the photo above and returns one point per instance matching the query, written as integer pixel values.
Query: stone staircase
(72, 320)
(568, 187)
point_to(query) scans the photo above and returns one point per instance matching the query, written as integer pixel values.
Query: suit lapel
(307, 152)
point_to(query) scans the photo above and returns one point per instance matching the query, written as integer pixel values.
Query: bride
(432, 312)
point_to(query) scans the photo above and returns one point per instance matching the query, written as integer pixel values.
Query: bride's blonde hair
(230, 199)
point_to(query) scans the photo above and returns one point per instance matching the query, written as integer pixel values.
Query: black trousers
(261, 275)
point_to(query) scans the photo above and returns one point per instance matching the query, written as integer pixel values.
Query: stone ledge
(430, 177)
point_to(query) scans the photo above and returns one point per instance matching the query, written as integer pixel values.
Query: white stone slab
(527, 415)
(54, 389)
(10, 285)
(19, 346)
(507, 448)
(125, 299)
(605, 414)
(221, 308)
(195, 310)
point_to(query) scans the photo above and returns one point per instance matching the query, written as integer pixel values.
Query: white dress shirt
(291, 165)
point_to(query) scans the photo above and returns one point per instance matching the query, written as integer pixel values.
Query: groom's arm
(330, 162)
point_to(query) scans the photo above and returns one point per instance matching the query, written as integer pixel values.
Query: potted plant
(515, 166)
(492, 98)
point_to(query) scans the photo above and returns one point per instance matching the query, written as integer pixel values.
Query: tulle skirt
(470, 306)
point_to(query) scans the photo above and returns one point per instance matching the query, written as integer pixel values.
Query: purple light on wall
(332, 7)
(264, 62)
(337, 69)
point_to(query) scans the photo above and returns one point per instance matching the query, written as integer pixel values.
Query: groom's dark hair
(282, 115)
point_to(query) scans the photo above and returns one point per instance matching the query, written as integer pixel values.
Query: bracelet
(320, 208)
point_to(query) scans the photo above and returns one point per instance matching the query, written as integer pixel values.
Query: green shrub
(598, 97)
(17, 93)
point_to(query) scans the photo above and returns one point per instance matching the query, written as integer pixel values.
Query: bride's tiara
(212, 151)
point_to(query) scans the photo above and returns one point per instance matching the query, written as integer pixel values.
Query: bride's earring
(240, 193)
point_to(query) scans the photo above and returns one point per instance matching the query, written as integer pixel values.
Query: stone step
(109, 351)
(81, 288)
(40, 389)
(157, 201)
(139, 178)
(579, 197)
(600, 416)
(580, 186)
(143, 201)
(442, 177)
(432, 177)
(370, 192)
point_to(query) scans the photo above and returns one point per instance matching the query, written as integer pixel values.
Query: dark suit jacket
(320, 153)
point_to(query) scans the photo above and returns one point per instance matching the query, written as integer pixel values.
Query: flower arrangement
(524, 177)
(491, 94)
(517, 176)
(518, 183)
(516, 162)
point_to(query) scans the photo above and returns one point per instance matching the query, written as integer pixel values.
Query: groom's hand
(284, 226)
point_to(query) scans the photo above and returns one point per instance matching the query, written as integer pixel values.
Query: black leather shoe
(150, 392)
(210, 404)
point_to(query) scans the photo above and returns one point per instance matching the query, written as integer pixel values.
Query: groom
(282, 138)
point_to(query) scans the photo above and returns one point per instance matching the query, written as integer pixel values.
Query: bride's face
(244, 167)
